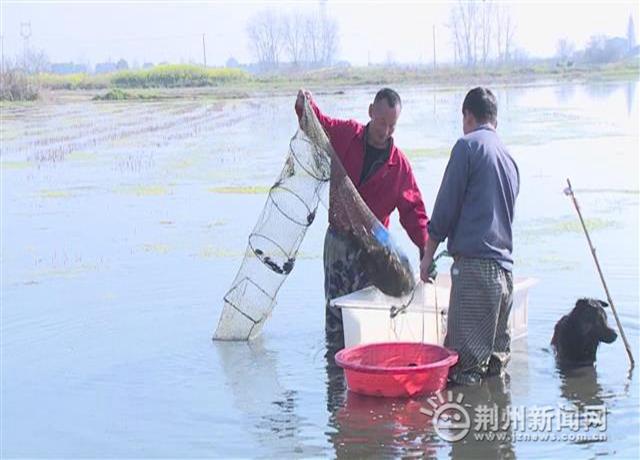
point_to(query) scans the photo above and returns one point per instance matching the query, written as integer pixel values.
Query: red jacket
(391, 186)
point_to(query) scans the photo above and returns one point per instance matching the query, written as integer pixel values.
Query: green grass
(236, 83)
(117, 94)
(176, 76)
(73, 81)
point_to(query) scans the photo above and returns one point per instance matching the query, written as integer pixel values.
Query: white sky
(93, 31)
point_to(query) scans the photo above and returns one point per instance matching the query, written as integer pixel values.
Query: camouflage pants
(343, 275)
(477, 324)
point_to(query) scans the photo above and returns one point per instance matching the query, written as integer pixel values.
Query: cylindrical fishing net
(289, 211)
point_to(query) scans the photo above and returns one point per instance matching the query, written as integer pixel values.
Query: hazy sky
(92, 31)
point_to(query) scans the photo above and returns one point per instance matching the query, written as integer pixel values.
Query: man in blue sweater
(474, 211)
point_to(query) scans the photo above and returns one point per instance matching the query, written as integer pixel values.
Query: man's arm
(448, 205)
(411, 210)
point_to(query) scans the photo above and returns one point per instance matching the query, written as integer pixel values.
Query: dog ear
(581, 305)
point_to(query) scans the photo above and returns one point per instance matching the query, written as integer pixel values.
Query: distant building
(147, 65)
(602, 49)
(232, 63)
(106, 67)
(65, 68)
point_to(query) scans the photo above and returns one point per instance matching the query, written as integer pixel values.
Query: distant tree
(486, 30)
(564, 49)
(122, 65)
(329, 29)
(312, 40)
(473, 26)
(505, 31)
(293, 29)
(266, 38)
(596, 50)
(296, 37)
(35, 61)
(463, 20)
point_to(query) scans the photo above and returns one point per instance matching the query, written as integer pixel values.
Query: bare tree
(486, 30)
(35, 61)
(564, 49)
(293, 30)
(266, 38)
(312, 40)
(329, 39)
(468, 30)
(505, 30)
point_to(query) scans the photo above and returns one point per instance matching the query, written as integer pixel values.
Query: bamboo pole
(569, 191)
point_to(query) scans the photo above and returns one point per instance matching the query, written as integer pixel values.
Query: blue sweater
(475, 203)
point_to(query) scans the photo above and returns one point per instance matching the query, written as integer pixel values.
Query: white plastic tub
(366, 314)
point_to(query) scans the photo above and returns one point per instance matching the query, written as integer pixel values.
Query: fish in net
(289, 211)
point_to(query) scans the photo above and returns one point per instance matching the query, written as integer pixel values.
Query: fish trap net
(289, 211)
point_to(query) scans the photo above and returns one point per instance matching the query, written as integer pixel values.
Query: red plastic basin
(396, 369)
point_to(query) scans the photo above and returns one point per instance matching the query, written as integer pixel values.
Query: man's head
(384, 113)
(479, 107)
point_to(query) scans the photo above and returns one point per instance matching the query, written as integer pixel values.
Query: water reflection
(492, 420)
(630, 95)
(364, 426)
(565, 93)
(268, 408)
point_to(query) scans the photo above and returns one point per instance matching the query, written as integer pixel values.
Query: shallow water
(123, 225)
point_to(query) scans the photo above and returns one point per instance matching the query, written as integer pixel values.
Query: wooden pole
(569, 191)
(204, 51)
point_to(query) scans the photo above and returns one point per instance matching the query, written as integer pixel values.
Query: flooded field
(123, 225)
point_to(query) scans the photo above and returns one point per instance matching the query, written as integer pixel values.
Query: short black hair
(392, 97)
(482, 104)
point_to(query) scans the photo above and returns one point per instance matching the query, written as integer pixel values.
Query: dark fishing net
(289, 211)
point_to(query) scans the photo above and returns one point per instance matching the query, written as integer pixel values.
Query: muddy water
(123, 225)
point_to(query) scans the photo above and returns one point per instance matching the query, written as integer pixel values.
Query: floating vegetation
(80, 156)
(7, 165)
(210, 252)
(55, 194)
(146, 190)
(157, 248)
(435, 152)
(574, 225)
(239, 190)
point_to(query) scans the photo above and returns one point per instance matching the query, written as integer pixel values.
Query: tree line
(297, 38)
(482, 33)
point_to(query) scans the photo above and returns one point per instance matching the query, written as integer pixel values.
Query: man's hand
(428, 271)
(302, 94)
(427, 266)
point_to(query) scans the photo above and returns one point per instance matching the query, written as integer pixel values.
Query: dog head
(590, 318)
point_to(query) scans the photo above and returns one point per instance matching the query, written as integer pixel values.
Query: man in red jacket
(382, 175)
